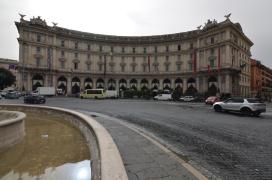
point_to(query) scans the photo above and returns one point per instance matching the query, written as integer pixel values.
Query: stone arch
(212, 86)
(133, 84)
(155, 84)
(122, 84)
(100, 84)
(37, 81)
(75, 85)
(178, 83)
(144, 84)
(191, 87)
(88, 83)
(166, 84)
(62, 84)
(111, 84)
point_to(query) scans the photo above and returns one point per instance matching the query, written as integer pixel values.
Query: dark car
(12, 95)
(34, 99)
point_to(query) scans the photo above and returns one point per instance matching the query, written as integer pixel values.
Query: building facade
(215, 58)
(12, 66)
(261, 80)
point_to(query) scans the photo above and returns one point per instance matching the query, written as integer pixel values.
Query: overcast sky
(139, 17)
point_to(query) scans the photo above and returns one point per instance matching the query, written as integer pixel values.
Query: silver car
(246, 106)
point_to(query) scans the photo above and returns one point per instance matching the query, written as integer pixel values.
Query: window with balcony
(38, 62)
(62, 64)
(62, 43)
(38, 49)
(62, 54)
(39, 38)
(75, 65)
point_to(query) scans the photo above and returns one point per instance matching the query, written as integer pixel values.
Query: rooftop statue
(22, 17)
(227, 16)
(38, 21)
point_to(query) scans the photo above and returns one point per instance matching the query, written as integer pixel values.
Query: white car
(163, 97)
(187, 98)
(247, 106)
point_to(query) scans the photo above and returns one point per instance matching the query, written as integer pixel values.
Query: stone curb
(112, 166)
(20, 117)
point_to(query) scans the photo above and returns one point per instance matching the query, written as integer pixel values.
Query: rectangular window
(191, 46)
(167, 68)
(76, 45)
(212, 40)
(62, 43)
(123, 50)
(75, 65)
(123, 68)
(111, 49)
(62, 53)
(155, 49)
(88, 56)
(88, 67)
(190, 66)
(167, 48)
(39, 38)
(62, 64)
(144, 49)
(179, 48)
(76, 55)
(178, 67)
(100, 48)
(166, 58)
(89, 47)
(38, 62)
(38, 49)
(212, 51)
(133, 50)
(133, 68)
(212, 64)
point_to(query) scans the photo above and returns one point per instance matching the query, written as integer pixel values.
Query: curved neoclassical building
(213, 58)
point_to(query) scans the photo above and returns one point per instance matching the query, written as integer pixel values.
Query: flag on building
(12, 66)
(105, 65)
(148, 61)
(194, 61)
(219, 60)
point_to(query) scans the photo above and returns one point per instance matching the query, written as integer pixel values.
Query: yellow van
(93, 93)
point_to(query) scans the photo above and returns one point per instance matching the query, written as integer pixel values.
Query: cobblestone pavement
(227, 145)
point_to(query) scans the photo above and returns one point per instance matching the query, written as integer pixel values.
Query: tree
(6, 78)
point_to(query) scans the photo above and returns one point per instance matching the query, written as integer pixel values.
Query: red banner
(209, 69)
(194, 61)
(148, 61)
(219, 60)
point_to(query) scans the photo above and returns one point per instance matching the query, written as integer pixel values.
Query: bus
(93, 93)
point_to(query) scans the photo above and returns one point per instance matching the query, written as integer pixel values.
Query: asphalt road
(230, 146)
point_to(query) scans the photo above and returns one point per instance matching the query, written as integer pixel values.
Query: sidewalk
(143, 159)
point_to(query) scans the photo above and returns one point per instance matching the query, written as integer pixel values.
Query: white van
(163, 97)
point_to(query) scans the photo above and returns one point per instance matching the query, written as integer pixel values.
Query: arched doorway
(37, 81)
(144, 84)
(133, 84)
(75, 85)
(111, 84)
(191, 87)
(88, 83)
(212, 86)
(122, 84)
(62, 84)
(155, 84)
(166, 84)
(100, 84)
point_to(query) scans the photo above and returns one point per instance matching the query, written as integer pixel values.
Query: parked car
(12, 95)
(163, 97)
(187, 98)
(211, 100)
(34, 99)
(246, 106)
